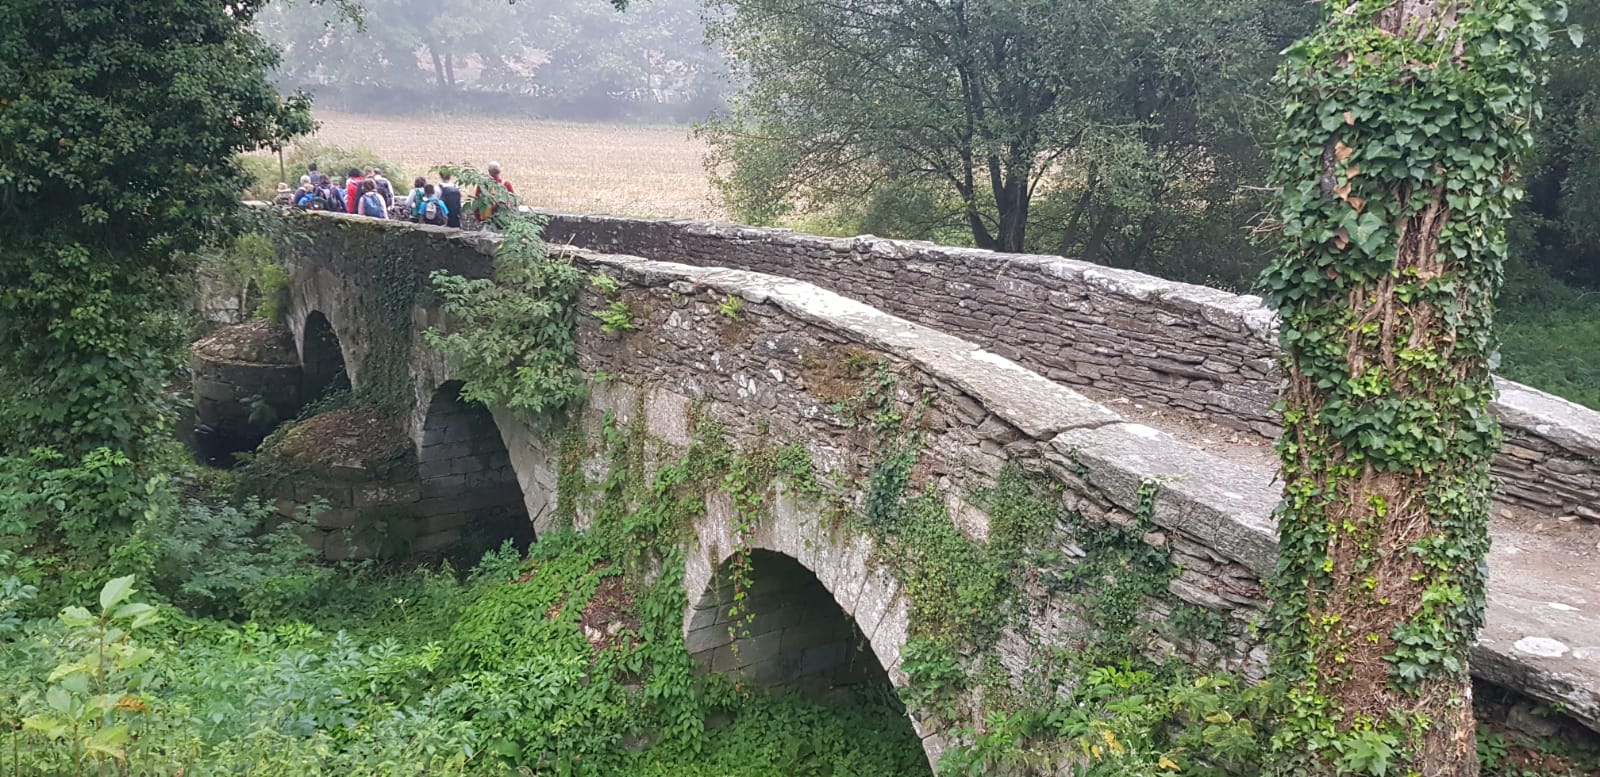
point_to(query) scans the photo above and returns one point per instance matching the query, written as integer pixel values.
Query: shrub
(1550, 335)
(231, 561)
(330, 159)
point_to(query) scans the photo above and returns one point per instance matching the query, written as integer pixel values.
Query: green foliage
(615, 317)
(13, 595)
(48, 500)
(928, 116)
(427, 675)
(1555, 228)
(1550, 335)
(1395, 162)
(108, 174)
(333, 161)
(248, 266)
(512, 337)
(93, 693)
(231, 561)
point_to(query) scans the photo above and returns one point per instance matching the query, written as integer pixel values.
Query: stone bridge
(1138, 408)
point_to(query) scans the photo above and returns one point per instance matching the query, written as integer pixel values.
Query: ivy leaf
(1366, 227)
(1575, 34)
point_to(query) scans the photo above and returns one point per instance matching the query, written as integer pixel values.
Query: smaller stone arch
(321, 358)
(470, 495)
(786, 631)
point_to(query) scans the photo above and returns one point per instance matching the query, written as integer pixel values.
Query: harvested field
(589, 168)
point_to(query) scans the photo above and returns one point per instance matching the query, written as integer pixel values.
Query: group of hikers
(368, 193)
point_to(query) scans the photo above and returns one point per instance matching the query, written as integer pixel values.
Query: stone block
(757, 648)
(443, 486)
(707, 637)
(436, 541)
(336, 518)
(386, 494)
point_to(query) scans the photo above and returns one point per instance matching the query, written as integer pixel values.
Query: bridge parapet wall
(1191, 348)
(770, 360)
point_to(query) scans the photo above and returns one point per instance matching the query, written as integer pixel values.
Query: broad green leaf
(49, 725)
(108, 742)
(77, 617)
(1575, 34)
(58, 699)
(115, 591)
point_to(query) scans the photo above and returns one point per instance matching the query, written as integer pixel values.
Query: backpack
(417, 204)
(384, 190)
(305, 199)
(372, 205)
(434, 212)
(326, 197)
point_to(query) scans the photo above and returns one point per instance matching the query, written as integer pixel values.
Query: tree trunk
(438, 66)
(450, 68)
(1396, 234)
(1069, 235)
(1097, 237)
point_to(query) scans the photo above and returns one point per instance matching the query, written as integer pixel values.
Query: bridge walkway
(1543, 627)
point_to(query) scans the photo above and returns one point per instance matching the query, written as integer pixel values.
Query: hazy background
(555, 59)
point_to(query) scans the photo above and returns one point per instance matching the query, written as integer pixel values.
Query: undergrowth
(424, 673)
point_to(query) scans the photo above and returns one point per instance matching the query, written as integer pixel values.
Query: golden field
(587, 168)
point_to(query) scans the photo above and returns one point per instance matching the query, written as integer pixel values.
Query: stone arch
(839, 561)
(788, 631)
(321, 358)
(470, 495)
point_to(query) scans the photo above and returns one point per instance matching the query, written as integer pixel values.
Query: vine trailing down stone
(515, 348)
(1404, 121)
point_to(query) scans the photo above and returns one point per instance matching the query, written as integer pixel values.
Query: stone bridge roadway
(769, 374)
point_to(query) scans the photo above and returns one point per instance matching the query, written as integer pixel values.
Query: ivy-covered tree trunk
(1404, 121)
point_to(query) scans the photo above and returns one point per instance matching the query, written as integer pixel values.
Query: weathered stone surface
(1120, 331)
(780, 373)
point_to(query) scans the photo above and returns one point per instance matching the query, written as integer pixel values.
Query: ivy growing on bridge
(514, 344)
(1403, 124)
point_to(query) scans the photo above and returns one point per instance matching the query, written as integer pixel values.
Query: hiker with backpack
(352, 189)
(450, 195)
(482, 207)
(385, 189)
(415, 197)
(371, 203)
(325, 196)
(429, 209)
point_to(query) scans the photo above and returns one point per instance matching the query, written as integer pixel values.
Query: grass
(629, 170)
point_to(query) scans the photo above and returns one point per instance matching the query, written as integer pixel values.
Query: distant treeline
(540, 58)
(406, 101)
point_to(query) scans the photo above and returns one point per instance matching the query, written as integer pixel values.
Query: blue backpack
(372, 205)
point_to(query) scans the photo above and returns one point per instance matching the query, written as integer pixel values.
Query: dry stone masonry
(1193, 349)
(788, 364)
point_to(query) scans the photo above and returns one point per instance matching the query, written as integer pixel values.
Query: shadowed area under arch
(786, 631)
(321, 358)
(470, 496)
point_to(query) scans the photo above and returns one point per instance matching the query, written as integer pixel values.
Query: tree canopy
(120, 126)
(993, 103)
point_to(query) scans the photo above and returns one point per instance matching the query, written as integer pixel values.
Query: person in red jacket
(483, 210)
(352, 190)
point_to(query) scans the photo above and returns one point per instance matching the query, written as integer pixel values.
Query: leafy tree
(1403, 126)
(994, 101)
(119, 130)
(1559, 229)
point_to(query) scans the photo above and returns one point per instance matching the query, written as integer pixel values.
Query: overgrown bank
(422, 673)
